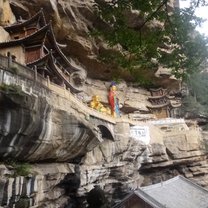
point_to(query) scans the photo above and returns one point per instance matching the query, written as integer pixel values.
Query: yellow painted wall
(17, 51)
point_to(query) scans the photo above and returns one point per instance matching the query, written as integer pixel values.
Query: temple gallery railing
(44, 85)
(4, 62)
(7, 64)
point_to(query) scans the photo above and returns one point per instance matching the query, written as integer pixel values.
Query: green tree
(158, 35)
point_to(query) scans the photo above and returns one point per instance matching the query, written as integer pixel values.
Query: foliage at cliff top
(152, 33)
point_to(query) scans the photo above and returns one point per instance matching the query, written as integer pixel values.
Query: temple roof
(168, 103)
(74, 82)
(175, 103)
(158, 106)
(48, 63)
(53, 59)
(158, 97)
(177, 192)
(44, 35)
(156, 90)
(33, 39)
(38, 18)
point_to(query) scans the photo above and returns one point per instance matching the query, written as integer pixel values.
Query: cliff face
(44, 124)
(35, 122)
(71, 147)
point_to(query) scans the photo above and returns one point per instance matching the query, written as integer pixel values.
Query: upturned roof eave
(56, 44)
(156, 90)
(157, 97)
(158, 106)
(34, 18)
(61, 76)
(24, 39)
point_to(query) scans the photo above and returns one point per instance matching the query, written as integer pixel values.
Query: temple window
(32, 53)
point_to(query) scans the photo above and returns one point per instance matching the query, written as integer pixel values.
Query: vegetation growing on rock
(152, 34)
(11, 89)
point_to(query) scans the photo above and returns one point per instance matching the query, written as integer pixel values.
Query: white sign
(140, 133)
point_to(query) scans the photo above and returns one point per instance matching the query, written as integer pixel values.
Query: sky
(201, 12)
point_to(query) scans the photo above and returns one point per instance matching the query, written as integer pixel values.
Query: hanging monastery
(33, 44)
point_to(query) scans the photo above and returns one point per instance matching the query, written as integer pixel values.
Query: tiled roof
(148, 199)
(177, 192)
(57, 63)
(157, 97)
(158, 89)
(156, 106)
(38, 17)
(31, 39)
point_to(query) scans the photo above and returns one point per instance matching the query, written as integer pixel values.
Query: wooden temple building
(33, 43)
(163, 105)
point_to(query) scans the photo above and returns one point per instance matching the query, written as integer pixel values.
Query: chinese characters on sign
(140, 133)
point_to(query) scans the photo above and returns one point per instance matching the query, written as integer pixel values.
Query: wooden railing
(7, 64)
(20, 70)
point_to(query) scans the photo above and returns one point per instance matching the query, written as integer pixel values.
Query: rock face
(35, 123)
(47, 184)
(129, 163)
(117, 166)
(6, 15)
(72, 148)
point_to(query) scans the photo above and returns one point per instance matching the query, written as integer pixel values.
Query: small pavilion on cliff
(161, 104)
(33, 43)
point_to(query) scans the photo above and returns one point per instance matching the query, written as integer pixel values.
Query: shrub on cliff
(19, 168)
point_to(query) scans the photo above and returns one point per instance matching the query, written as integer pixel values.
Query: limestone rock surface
(46, 124)
(6, 14)
(38, 125)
